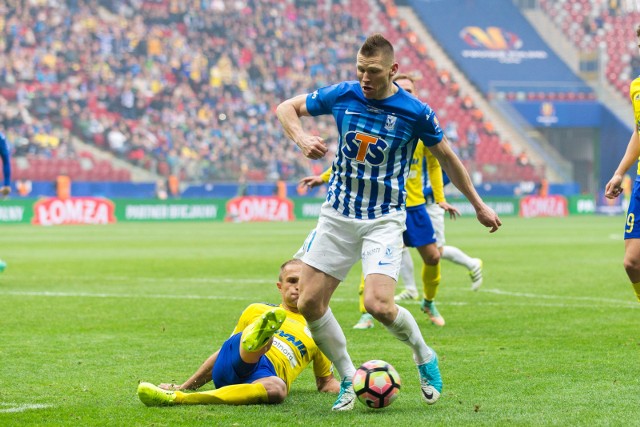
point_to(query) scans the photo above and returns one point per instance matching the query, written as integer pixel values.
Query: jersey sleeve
(322, 100)
(435, 177)
(247, 316)
(326, 175)
(428, 127)
(321, 365)
(6, 162)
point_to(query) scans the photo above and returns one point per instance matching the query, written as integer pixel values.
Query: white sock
(406, 329)
(454, 254)
(330, 338)
(406, 272)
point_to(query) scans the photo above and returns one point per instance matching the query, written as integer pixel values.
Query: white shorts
(436, 213)
(338, 242)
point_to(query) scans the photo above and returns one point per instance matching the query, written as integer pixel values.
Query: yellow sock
(636, 287)
(361, 295)
(430, 280)
(239, 394)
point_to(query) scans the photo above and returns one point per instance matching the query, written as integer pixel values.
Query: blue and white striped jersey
(377, 141)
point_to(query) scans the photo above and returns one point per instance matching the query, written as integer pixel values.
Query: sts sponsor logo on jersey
(362, 147)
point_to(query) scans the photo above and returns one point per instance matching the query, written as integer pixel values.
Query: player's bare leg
(379, 290)
(632, 263)
(315, 291)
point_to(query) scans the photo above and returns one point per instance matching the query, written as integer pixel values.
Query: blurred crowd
(186, 88)
(180, 88)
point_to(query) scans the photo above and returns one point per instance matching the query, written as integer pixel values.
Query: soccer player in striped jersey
(269, 347)
(419, 233)
(614, 188)
(422, 231)
(379, 125)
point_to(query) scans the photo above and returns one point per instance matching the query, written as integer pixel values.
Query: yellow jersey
(293, 347)
(634, 94)
(415, 182)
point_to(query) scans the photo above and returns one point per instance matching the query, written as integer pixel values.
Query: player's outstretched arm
(614, 186)
(460, 178)
(328, 384)
(311, 181)
(197, 380)
(289, 113)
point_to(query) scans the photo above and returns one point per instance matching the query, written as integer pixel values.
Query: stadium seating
(191, 91)
(594, 25)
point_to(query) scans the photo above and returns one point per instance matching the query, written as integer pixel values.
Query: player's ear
(394, 69)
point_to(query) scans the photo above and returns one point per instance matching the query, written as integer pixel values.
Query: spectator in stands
(451, 132)
(488, 127)
(5, 157)
(477, 115)
(473, 140)
(444, 77)
(522, 159)
(466, 103)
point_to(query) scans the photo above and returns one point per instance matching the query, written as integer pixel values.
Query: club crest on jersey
(390, 124)
(364, 148)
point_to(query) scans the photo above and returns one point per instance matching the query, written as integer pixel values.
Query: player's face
(374, 74)
(289, 285)
(407, 85)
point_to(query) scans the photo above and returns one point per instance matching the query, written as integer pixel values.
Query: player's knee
(632, 266)
(311, 310)
(382, 311)
(276, 390)
(430, 254)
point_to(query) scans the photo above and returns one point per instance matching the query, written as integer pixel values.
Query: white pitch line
(529, 295)
(13, 407)
(564, 300)
(129, 279)
(104, 295)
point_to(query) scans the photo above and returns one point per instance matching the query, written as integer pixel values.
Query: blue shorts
(419, 230)
(632, 227)
(230, 369)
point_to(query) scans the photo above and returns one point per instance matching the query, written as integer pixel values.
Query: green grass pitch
(88, 312)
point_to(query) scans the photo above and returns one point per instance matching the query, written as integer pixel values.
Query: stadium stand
(189, 88)
(601, 24)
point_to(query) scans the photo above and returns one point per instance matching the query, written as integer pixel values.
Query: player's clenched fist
(313, 147)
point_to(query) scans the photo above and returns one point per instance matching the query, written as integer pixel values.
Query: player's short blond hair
(285, 264)
(376, 43)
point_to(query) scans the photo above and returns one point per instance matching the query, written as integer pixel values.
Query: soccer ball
(376, 383)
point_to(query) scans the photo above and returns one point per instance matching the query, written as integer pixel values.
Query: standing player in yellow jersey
(614, 189)
(419, 232)
(270, 346)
